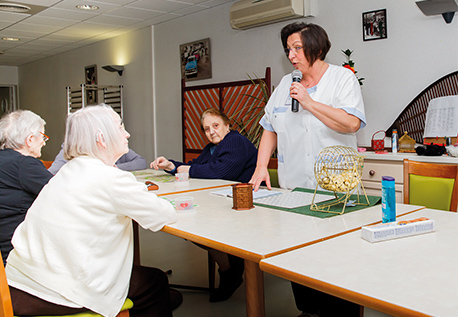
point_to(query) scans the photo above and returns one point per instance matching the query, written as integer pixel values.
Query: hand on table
(183, 169)
(162, 163)
(259, 175)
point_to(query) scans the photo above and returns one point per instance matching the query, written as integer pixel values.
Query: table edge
(358, 298)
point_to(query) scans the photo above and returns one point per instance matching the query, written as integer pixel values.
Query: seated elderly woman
(230, 156)
(22, 175)
(74, 250)
(130, 161)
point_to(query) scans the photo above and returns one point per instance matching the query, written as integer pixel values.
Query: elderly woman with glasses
(22, 174)
(74, 251)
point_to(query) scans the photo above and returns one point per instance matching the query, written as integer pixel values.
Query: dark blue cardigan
(21, 179)
(234, 158)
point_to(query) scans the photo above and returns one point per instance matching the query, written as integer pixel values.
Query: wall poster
(196, 60)
(374, 25)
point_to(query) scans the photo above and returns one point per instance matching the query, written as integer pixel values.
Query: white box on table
(399, 229)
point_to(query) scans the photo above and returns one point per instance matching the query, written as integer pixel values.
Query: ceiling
(53, 26)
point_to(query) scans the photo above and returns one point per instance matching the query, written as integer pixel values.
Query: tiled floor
(189, 266)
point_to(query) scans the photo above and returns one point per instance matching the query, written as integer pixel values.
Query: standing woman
(331, 111)
(74, 250)
(22, 174)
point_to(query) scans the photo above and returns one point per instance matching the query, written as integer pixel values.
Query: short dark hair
(315, 41)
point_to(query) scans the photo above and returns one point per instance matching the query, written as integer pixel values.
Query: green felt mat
(305, 210)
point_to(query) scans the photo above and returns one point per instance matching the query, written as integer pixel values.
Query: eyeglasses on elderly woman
(45, 137)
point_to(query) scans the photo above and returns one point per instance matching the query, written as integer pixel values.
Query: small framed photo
(90, 73)
(374, 25)
(196, 60)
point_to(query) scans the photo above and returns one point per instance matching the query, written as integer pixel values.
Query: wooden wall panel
(233, 98)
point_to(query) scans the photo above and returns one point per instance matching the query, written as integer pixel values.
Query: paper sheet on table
(151, 175)
(442, 117)
(260, 193)
(292, 199)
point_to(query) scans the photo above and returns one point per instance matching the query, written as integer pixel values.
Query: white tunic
(300, 135)
(75, 246)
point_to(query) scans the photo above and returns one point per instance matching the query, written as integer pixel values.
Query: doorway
(8, 99)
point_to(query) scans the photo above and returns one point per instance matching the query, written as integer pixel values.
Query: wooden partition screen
(233, 98)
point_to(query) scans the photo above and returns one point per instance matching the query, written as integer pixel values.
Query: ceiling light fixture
(87, 7)
(13, 39)
(114, 68)
(14, 7)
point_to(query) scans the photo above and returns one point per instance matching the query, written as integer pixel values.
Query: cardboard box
(400, 229)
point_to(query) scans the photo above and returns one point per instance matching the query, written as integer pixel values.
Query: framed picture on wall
(196, 60)
(374, 25)
(90, 73)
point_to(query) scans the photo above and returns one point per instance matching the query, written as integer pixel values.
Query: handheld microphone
(297, 76)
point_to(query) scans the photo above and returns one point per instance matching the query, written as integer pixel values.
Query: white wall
(8, 75)
(43, 86)
(418, 51)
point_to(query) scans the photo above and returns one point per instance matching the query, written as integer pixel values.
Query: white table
(261, 233)
(172, 187)
(412, 276)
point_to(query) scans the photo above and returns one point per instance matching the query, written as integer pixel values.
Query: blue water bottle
(388, 199)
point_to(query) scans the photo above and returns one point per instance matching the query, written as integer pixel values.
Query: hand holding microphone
(297, 76)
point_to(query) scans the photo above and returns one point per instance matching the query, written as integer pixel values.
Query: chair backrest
(47, 164)
(273, 177)
(431, 185)
(6, 307)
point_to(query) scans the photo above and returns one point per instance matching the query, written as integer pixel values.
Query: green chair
(6, 307)
(273, 177)
(431, 185)
(128, 304)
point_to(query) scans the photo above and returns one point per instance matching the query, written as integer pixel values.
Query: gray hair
(16, 126)
(83, 128)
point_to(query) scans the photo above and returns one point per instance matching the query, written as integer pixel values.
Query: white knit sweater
(77, 238)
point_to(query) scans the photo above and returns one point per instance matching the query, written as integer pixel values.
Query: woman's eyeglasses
(45, 137)
(296, 49)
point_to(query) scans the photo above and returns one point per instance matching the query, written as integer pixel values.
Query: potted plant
(350, 64)
(247, 120)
